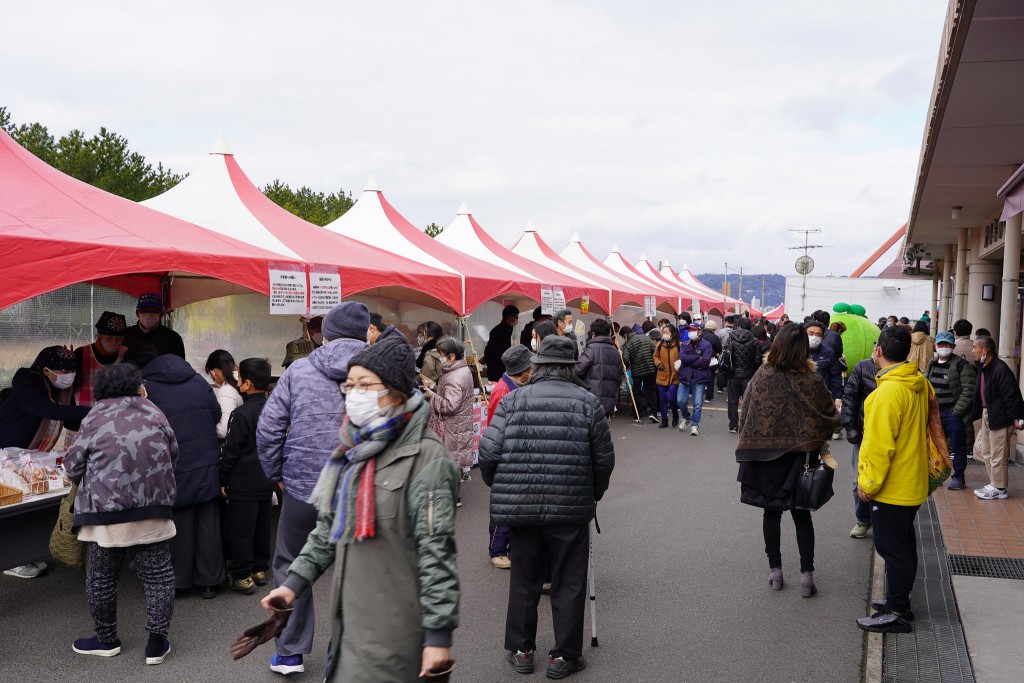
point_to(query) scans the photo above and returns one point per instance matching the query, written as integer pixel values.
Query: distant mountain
(774, 286)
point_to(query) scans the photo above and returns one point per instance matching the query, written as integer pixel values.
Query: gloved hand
(261, 633)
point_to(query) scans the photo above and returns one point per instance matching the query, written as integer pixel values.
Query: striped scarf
(346, 485)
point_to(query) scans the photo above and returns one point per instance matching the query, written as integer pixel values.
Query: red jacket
(502, 387)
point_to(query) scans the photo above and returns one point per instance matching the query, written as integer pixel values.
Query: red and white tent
(775, 315)
(689, 296)
(220, 197)
(730, 304)
(531, 246)
(56, 231)
(466, 235)
(578, 255)
(372, 220)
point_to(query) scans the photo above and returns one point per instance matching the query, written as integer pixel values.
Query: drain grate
(987, 567)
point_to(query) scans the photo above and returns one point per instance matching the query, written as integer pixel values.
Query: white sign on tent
(547, 301)
(288, 289)
(558, 299)
(650, 306)
(324, 289)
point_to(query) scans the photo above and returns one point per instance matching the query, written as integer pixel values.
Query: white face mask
(667, 336)
(363, 408)
(533, 344)
(982, 359)
(149, 321)
(693, 335)
(234, 373)
(62, 381)
(815, 342)
(944, 352)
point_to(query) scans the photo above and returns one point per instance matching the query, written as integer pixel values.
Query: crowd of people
(365, 440)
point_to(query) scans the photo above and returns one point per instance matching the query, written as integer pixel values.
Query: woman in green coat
(387, 522)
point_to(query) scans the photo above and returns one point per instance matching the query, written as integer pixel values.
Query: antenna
(805, 264)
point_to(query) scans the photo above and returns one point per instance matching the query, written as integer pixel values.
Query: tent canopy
(775, 315)
(687, 295)
(466, 235)
(577, 254)
(730, 304)
(220, 197)
(373, 221)
(57, 231)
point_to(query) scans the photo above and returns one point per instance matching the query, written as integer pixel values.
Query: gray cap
(516, 359)
(555, 350)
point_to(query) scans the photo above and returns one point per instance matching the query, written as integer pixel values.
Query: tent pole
(464, 330)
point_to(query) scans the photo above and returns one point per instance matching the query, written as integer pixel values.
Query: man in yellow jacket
(893, 473)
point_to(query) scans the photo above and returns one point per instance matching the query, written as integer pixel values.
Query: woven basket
(65, 547)
(9, 495)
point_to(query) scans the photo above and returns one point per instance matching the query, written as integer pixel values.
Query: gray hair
(449, 347)
(560, 315)
(987, 343)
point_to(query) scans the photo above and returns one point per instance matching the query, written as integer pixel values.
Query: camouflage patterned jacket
(123, 462)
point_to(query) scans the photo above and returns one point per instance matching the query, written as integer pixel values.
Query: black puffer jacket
(746, 353)
(547, 455)
(600, 366)
(240, 470)
(1002, 395)
(638, 354)
(188, 403)
(858, 386)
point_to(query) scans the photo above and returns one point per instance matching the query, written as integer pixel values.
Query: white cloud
(696, 132)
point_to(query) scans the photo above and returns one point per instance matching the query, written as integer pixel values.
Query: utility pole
(740, 297)
(805, 264)
(762, 294)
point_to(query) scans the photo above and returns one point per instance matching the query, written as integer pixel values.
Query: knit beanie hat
(391, 359)
(347, 320)
(111, 324)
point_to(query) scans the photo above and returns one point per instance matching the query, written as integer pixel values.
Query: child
(242, 482)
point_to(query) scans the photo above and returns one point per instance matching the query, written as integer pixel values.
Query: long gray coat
(399, 590)
(451, 412)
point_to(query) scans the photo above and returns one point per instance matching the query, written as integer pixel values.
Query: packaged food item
(34, 474)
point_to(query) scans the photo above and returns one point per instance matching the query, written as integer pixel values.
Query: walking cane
(629, 385)
(592, 586)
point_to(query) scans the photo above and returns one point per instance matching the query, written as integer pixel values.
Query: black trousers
(645, 390)
(771, 525)
(197, 550)
(709, 390)
(248, 536)
(896, 543)
(735, 388)
(567, 548)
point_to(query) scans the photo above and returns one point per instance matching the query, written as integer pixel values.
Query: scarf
(428, 346)
(346, 486)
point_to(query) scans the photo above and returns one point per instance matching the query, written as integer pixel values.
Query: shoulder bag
(814, 485)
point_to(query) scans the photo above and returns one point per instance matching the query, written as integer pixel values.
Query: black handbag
(814, 485)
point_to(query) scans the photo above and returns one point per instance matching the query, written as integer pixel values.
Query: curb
(874, 643)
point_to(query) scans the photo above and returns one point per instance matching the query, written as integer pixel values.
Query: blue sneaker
(286, 664)
(93, 646)
(157, 649)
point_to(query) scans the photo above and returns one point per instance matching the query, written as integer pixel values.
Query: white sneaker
(986, 487)
(991, 493)
(25, 571)
(683, 424)
(694, 431)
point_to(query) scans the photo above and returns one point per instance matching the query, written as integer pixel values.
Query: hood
(457, 365)
(331, 360)
(906, 374)
(391, 333)
(918, 338)
(169, 369)
(741, 336)
(26, 376)
(600, 340)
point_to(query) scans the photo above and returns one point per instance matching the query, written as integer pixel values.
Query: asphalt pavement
(681, 575)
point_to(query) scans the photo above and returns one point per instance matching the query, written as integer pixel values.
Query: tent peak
(220, 146)
(529, 227)
(371, 184)
(685, 267)
(575, 237)
(615, 249)
(665, 264)
(464, 210)
(643, 256)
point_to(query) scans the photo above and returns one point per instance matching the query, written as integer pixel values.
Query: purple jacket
(695, 361)
(298, 428)
(123, 461)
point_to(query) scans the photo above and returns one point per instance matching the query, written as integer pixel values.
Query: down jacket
(745, 351)
(861, 383)
(240, 471)
(963, 382)
(298, 428)
(695, 362)
(451, 412)
(547, 455)
(665, 356)
(829, 369)
(638, 355)
(123, 462)
(191, 408)
(600, 366)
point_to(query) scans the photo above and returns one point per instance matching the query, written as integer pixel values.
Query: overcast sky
(696, 132)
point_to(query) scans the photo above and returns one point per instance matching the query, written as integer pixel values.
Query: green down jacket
(638, 355)
(962, 382)
(398, 591)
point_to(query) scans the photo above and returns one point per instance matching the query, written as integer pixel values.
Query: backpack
(726, 362)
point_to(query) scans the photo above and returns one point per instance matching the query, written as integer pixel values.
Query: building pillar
(946, 319)
(981, 313)
(963, 248)
(934, 305)
(1011, 276)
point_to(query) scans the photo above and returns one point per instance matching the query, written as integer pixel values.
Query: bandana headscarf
(56, 358)
(346, 483)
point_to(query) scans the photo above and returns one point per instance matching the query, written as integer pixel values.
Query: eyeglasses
(360, 387)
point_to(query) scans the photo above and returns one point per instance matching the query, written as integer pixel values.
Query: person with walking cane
(550, 425)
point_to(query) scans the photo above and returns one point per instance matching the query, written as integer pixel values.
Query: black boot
(675, 418)
(663, 424)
